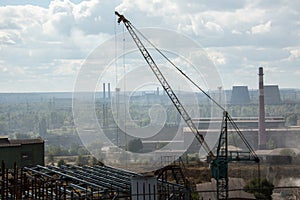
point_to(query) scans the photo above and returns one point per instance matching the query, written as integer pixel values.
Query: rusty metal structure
(83, 182)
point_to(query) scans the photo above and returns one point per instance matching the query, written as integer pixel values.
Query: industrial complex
(24, 174)
(257, 142)
(85, 182)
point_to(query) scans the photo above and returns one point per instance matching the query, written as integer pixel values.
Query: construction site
(223, 174)
(85, 182)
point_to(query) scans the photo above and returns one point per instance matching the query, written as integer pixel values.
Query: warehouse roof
(98, 179)
(5, 141)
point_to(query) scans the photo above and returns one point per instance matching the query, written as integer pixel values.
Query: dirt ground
(279, 175)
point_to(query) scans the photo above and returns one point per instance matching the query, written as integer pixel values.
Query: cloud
(213, 27)
(261, 28)
(217, 57)
(40, 40)
(8, 39)
(66, 67)
(295, 54)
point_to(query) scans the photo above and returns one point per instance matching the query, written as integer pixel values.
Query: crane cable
(116, 68)
(253, 155)
(182, 73)
(124, 85)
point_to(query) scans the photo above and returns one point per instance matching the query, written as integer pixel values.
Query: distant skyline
(44, 43)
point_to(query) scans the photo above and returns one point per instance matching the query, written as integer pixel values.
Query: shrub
(261, 188)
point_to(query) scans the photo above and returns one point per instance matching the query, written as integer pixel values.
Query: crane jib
(165, 84)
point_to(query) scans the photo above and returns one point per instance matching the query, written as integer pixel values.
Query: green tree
(160, 145)
(3, 126)
(82, 160)
(235, 140)
(60, 163)
(22, 136)
(74, 149)
(92, 161)
(135, 145)
(50, 158)
(57, 150)
(57, 119)
(292, 119)
(287, 152)
(43, 127)
(83, 151)
(261, 188)
(271, 144)
(29, 122)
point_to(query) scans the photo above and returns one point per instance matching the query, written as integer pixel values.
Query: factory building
(274, 128)
(23, 152)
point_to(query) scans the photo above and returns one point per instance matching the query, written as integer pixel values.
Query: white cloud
(214, 27)
(8, 39)
(67, 67)
(262, 28)
(40, 41)
(217, 57)
(236, 32)
(33, 39)
(17, 70)
(2, 68)
(295, 54)
(13, 71)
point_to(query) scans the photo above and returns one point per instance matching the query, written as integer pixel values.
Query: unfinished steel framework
(84, 182)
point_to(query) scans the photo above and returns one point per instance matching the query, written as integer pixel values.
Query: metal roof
(6, 142)
(98, 179)
(26, 141)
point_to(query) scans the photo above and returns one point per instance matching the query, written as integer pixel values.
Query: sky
(43, 44)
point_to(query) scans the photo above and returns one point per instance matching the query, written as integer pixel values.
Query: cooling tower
(272, 95)
(240, 95)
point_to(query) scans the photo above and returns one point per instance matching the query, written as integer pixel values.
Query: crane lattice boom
(219, 163)
(165, 84)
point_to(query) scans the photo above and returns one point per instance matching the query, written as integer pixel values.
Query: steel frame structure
(79, 182)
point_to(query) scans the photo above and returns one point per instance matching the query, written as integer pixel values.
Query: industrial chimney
(262, 140)
(103, 92)
(108, 90)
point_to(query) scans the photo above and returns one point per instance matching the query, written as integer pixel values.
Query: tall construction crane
(218, 162)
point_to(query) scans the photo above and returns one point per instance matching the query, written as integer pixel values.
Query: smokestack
(104, 106)
(108, 90)
(103, 91)
(261, 121)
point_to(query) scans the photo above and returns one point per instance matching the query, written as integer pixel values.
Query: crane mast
(219, 163)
